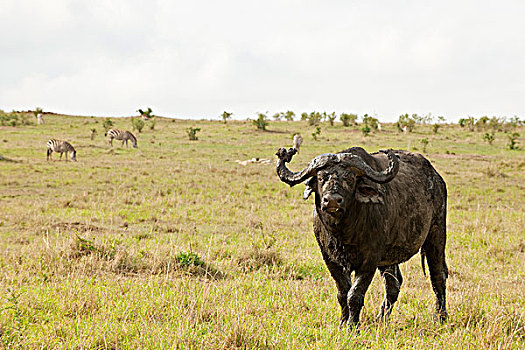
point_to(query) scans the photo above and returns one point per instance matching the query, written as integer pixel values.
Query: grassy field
(176, 245)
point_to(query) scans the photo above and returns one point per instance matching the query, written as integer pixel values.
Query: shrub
(435, 128)
(108, 124)
(348, 119)
(289, 116)
(316, 133)
(330, 117)
(371, 121)
(512, 145)
(314, 118)
(424, 142)
(93, 133)
(365, 129)
(185, 259)
(261, 122)
(138, 124)
(192, 133)
(225, 116)
(489, 137)
(406, 120)
(145, 114)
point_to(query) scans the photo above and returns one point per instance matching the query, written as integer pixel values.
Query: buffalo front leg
(343, 283)
(393, 280)
(356, 295)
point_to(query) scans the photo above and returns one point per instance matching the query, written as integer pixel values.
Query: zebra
(60, 147)
(121, 135)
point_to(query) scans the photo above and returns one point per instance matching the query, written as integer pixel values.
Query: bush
(316, 133)
(14, 119)
(108, 124)
(435, 128)
(314, 118)
(185, 259)
(365, 130)
(489, 137)
(261, 122)
(138, 124)
(424, 142)
(330, 117)
(192, 133)
(513, 145)
(406, 120)
(225, 116)
(348, 119)
(371, 121)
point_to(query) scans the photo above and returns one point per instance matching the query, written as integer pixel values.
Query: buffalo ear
(368, 193)
(311, 184)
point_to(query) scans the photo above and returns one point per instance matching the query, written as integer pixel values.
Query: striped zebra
(60, 147)
(121, 135)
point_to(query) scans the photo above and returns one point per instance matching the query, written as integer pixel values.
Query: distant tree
(331, 117)
(37, 111)
(348, 119)
(467, 122)
(435, 128)
(145, 114)
(441, 119)
(289, 116)
(406, 120)
(261, 122)
(371, 121)
(482, 123)
(314, 118)
(93, 133)
(225, 116)
(277, 116)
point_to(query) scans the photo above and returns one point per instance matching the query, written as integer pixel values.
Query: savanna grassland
(176, 245)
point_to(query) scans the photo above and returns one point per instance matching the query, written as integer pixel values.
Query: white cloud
(198, 58)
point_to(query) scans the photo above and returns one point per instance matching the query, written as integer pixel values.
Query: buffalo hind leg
(393, 280)
(434, 250)
(343, 283)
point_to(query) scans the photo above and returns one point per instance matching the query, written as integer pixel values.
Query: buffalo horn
(362, 169)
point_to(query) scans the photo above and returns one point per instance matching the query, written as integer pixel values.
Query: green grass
(175, 245)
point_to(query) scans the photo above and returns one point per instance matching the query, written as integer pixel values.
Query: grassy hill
(177, 245)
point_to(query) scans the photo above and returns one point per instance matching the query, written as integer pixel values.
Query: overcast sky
(195, 59)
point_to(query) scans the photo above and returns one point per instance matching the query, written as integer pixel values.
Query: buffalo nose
(332, 200)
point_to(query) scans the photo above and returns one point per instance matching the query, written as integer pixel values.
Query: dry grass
(175, 245)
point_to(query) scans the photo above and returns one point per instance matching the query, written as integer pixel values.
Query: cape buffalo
(374, 211)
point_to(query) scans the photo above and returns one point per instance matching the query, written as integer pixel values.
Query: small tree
(277, 116)
(489, 137)
(314, 118)
(225, 116)
(108, 124)
(93, 133)
(37, 111)
(512, 145)
(348, 119)
(261, 122)
(424, 142)
(331, 117)
(289, 116)
(192, 133)
(137, 124)
(145, 114)
(371, 121)
(435, 128)
(406, 120)
(365, 129)
(316, 133)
